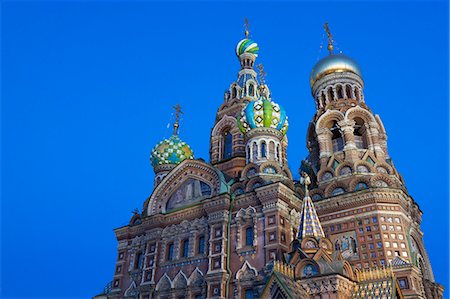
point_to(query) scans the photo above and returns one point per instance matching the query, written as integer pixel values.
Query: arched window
(227, 145)
(249, 236)
(201, 245)
(251, 90)
(139, 261)
(356, 93)
(360, 134)
(340, 94)
(233, 92)
(185, 248)
(170, 252)
(322, 97)
(348, 91)
(277, 157)
(249, 294)
(336, 138)
(263, 150)
(360, 186)
(330, 94)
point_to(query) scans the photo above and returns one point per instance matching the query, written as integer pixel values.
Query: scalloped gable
(188, 169)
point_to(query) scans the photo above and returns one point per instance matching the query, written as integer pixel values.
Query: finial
(247, 32)
(305, 180)
(178, 113)
(330, 38)
(135, 211)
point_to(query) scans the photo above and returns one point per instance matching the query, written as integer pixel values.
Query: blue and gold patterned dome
(334, 63)
(247, 46)
(171, 151)
(263, 113)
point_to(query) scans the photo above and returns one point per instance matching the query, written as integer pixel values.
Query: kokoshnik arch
(241, 227)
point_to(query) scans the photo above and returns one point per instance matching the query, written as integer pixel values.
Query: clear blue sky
(87, 91)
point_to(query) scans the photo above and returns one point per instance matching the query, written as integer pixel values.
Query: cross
(246, 27)
(262, 73)
(330, 38)
(178, 113)
(306, 181)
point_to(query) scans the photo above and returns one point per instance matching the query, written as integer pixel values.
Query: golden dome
(334, 63)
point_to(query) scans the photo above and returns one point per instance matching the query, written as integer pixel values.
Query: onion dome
(263, 113)
(247, 46)
(171, 151)
(334, 63)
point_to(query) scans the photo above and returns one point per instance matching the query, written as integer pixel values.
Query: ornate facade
(241, 227)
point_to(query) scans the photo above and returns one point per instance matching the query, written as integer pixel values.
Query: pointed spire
(178, 113)
(309, 221)
(330, 38)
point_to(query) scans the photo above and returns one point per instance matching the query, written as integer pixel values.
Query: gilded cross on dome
(247, 26)
(330, 38)
(178, 113)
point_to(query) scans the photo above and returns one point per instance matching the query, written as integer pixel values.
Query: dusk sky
(88, 89)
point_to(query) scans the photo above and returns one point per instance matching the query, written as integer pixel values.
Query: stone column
(324, 138)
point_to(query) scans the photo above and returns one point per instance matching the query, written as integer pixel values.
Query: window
(271, 219)
(272, 236)
(379, 245)
(148, 275)
(336, 138)
(227, 145)
(263, 150)
(249, 236)
(251, 90)
(139, 261)
(198, 296)
(170, 252)
(249, 294)
(216, 263)
(201, 245)
(185, 248)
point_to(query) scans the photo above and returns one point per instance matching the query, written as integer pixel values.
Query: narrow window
(248, 294)
(263, 149)
(348, 91)
(228, 145)
(233, 92)
(185, 248)
(201, 245)
(339, 92)
(251, 90)
(360, 133)
(139, 261)
(249, 236)
(330, 94)
(170, 252)
(336, 139)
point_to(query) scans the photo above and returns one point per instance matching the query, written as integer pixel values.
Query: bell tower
(361, 199)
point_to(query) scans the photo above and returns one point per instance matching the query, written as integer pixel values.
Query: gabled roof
(399, 262)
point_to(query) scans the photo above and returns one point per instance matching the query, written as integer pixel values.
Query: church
(239, 226)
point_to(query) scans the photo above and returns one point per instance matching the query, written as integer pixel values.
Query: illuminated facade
(241, 227)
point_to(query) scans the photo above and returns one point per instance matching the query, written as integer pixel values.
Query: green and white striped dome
(247, 46)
